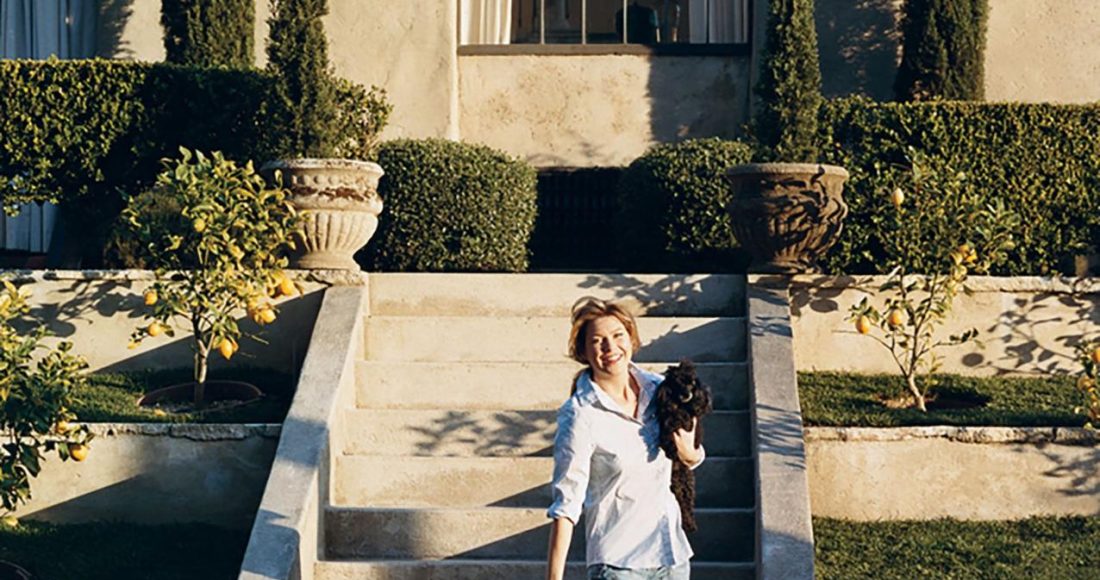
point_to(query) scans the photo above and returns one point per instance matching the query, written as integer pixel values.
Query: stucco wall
(1043, 50)
(1036, 50)
(1027, 325)
(935, 472)
(597, 110)
(97, 311)
(153, 474)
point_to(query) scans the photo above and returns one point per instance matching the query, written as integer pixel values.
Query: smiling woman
(604, 459)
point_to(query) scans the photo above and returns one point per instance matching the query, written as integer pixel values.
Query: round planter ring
(13, 571)
(241, 392)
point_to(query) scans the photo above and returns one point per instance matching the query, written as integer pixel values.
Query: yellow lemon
(287, 287)
(154, 329)
(896, 318)
(267, 315)
(199, 225)
(150, 297)
(897, 197)
(227, 348)
(78, 452)
(133, 344)
(62, 426)
(863, 325)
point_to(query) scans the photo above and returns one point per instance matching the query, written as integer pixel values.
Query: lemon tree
(36, 389)
(220, 251)
(1088, 383)
(939, 235)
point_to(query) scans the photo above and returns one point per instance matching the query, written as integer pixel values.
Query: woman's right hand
(561, 534)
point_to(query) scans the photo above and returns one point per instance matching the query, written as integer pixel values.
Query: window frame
(584, 48)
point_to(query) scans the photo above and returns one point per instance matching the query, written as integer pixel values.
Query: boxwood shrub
(1043, 160)
(672, 208)
(452, 206)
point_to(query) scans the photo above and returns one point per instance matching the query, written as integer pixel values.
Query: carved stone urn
(339, 201)
(786, 215)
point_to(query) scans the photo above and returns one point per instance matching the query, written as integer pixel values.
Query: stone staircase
(443, 463)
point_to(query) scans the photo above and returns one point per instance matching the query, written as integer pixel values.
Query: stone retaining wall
(159, 473)
(974, 473)
(1027, 325)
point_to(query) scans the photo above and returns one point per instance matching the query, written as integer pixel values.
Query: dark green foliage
(672, 203)
(118, 551)
(1042, 160)
(86, 127)
(790, 85)
(851, 400)
(943, 51)
(1040, 547)
(209, 33)
(452, 207)
(306, 93)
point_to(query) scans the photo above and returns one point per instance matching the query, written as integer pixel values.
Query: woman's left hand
(685, 444)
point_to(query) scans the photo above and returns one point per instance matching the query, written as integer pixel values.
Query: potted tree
(218, 238)
(789, 209)
(329, 127)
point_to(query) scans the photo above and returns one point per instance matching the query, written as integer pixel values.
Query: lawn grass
(1064, 548)
(117, 551)
(842, 399)
(110, 398)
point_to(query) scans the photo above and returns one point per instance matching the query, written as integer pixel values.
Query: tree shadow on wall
(860, 47)
(111, 20)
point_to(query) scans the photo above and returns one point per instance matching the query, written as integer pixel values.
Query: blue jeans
(605, 572)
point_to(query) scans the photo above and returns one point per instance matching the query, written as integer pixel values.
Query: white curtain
(719, 21)
(39, 29)
(485, 22)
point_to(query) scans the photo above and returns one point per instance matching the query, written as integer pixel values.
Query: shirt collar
(588, 392)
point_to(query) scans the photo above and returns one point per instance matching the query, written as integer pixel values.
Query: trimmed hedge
(78, 127)
(1042, 160)
(943, 50)
(452, 207)
(672, 204)
(209, 32)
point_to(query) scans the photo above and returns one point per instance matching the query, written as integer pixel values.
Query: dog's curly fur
(681, 398)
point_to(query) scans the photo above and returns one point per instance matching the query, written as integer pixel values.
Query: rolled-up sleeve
(573, 447)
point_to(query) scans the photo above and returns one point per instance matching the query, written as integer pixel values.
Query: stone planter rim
(321, 163)
(786, 168)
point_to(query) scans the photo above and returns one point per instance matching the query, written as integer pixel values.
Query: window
(655, 23)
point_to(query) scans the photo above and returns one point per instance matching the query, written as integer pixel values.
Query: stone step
(470, 482)
(552, 295)
(725, 535)
(494, 570)
(497, 433)
(509, 385)
(519, 339)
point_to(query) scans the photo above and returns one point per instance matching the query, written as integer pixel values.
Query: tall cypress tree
(943, 51)
(305, 89)
(785, 125)
(209, 32)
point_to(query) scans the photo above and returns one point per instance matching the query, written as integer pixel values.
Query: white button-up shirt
(609, 465)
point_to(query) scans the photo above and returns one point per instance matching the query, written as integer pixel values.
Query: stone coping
(1061, 435)
(327, 277)
(1056, 285)
(192, 431)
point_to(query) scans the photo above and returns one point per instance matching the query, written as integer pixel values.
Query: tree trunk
(918, 398)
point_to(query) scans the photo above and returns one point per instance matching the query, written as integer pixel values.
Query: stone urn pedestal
(339, 201)
(786, 215)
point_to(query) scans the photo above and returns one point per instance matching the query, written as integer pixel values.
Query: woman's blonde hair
(588, 309)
